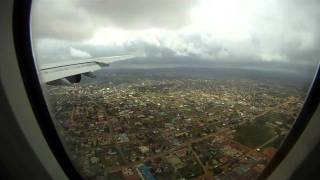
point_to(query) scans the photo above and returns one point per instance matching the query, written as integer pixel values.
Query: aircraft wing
(56, 71)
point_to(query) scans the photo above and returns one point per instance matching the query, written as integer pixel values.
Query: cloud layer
(79, 53)
(278, 31)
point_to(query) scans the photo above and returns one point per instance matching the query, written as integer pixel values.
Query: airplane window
(174, 89)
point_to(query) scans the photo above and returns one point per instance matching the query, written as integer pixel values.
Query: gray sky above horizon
(273, 31)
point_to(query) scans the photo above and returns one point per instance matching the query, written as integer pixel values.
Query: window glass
(210, 91)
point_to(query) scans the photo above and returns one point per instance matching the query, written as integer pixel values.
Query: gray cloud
(139, 13)
(77, 53)
(281, 32)
(60, 20)
(78, 19)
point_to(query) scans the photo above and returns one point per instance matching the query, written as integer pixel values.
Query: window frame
(28, 69)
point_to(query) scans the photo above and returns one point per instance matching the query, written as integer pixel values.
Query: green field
(253, 134)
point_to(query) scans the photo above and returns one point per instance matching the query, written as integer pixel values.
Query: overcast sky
(266, 31)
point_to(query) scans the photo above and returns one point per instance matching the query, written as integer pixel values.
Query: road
(207, 175)
(185, 144)
(270, 140)
(273, 108)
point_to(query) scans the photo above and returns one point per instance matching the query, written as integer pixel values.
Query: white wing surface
(55, 71)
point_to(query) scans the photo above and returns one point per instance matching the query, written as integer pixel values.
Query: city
(173, 127)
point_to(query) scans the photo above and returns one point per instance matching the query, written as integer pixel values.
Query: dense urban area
(174, 127)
